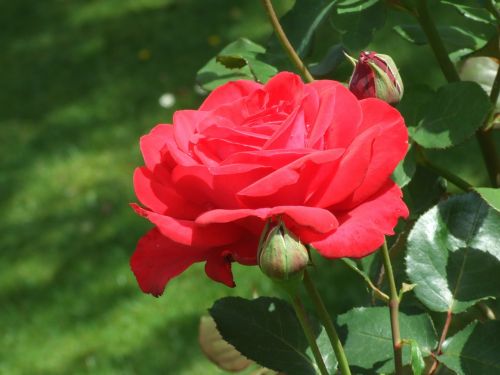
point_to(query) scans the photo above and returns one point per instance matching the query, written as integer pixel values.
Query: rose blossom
(311, 154)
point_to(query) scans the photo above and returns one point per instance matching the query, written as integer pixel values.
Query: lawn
(80, 82)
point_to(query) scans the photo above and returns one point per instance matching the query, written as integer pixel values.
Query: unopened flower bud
(282, 257)
(376, 76)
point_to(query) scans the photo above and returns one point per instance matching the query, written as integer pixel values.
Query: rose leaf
(300, 23)
(241, 59)
(357, 21)
(491, 196)
(451, 116)
(267, 331)
(453, 254)
(474, 350)
(369, 338)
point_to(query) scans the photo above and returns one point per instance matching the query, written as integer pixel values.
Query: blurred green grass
(80, 82)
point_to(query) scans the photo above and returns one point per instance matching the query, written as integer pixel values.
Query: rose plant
(272, 166)
(311, 154)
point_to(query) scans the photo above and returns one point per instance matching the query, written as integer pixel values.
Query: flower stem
(454, 179)
(489, 152)
(328, 324)
(377, 293)
(446, 326)
(495, 89)
(484, 137)
(394, 311)
(301, 315)
(287, 46)
(430, 30)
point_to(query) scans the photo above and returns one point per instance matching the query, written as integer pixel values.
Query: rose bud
(376, 76)
(282, 257)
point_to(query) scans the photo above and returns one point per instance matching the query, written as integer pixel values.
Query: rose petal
(154, 144)
(291, 134)
(222, 148)
(194, 183)
(188, 233)
(376, 112)
(156, 192)
(218, 268)
(268, 158)
(389, 147)
(362, 230)
(228, 180)
(284, 87)
(347, 175)
(321, 85)
(245, 251)
(320, 220)
(157, 260)
(271, 183)
(293, 183)
(180, 157)
(334, 125)
(228, 93)
(185, 124)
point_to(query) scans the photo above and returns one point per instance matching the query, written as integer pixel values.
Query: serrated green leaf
(333, 58)
(491, 196)
(231, 62)
(369, 338)
(357, 27)
(458, 42)
(424, 191)
(452, 115)
(351, 6)
(267, 331)
(414, 103)
(471, 10)
(241, 59)
(417, 359)
(405, 169)
(474, 350)
(371, 264)
(453, 254)
(325, 347)
(300, 23)
(353, 266)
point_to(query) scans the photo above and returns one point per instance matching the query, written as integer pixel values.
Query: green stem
(425, 20)
(377, 292)
(489, 152)
(328, 324)
(394, 311)
(454, 179)
(495, 90)
(301, 315)
(484, 137)
(287, 46)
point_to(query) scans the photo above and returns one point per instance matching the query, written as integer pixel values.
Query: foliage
(451, 244)
(80, 84)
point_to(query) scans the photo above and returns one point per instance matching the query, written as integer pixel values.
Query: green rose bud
(376, 76)
(282, 257)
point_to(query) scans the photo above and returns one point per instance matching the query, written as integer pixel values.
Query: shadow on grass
(163, 352)
(80, 84)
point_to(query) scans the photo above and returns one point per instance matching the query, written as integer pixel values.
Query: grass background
(79, 83)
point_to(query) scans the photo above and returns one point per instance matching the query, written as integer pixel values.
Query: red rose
(312, 154)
